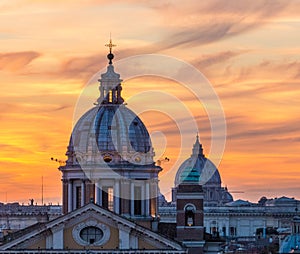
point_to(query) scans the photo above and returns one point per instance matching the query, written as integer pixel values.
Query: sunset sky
(248, 50)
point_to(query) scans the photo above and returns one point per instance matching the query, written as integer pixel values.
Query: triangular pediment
(94, 215)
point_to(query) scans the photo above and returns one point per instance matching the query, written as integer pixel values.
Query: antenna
(42, 190)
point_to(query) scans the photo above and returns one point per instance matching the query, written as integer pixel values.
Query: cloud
(281, 70)
(15, 61)
(213, 21)
(217, 58)
(260, 137)
(202, 23)
(268, 80)
(13, 148)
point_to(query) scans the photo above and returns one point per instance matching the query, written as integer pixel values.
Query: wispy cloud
(207, 60)
(15, 61)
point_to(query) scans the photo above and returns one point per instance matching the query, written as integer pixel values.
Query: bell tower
(189, 213)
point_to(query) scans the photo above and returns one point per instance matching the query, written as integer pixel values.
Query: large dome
(113, 132)
(110, 132)
(129, 131)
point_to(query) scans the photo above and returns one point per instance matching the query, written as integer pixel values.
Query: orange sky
(248, 50)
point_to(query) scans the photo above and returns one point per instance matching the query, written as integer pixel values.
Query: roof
(282, 201)
(91, 207)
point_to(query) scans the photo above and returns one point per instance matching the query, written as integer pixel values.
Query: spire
(110, 82)
(197, 148)
(110, 45)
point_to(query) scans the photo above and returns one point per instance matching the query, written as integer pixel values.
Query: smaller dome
(239, 202)
(227, 197)
(198, 169)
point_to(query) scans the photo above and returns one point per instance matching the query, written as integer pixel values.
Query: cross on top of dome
(110, 45)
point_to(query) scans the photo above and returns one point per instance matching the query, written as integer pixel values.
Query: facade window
(232, 231)
(137, 200)
(213, 230)
(108, 198)
(110, 192)
(78, 197)
(91, 234)
(189, 215)
(224, 231)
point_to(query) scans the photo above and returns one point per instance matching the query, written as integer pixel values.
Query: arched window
(190, 215)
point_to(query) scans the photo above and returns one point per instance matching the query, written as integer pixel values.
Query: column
(147, 199)
(134, 241)
(132, 198)
(58, 238)
(154, 197)
(100, 196)
(143, 200)
(251, 228)
(82, 193)
(70, 196)
(65, 196)
(49, 241)
(124, 237)
(117, 196)
(125, 197)
(97, 193)
(227, 226)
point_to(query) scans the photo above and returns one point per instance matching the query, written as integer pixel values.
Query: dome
(110, 131)
(226, 196)
(198, 168)
(129, 131)
(240, 202)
